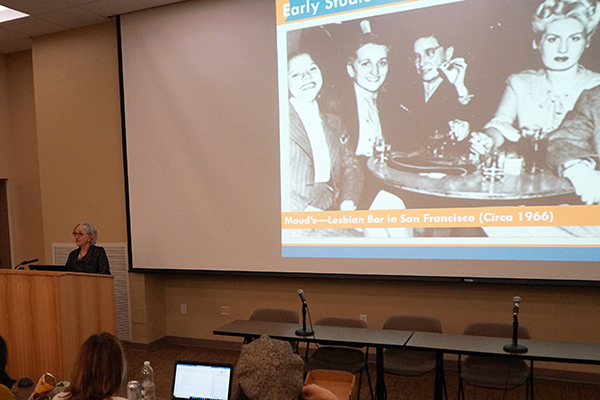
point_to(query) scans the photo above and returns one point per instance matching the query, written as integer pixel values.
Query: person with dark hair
(324, 175)
(99, 372)
(435, 105)
(87, 257)
(6, 382)
(574, 148)
(367, 66)
(365, 112)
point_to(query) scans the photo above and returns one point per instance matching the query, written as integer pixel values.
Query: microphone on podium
(26, 262)
(516, 305)
(515, 347)
(301, 294)
(303, 331)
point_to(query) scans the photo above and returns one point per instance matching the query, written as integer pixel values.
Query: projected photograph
(470, 123)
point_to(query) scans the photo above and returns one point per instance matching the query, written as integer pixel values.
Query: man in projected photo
(437, 103)
(324, 172)
(574, 148)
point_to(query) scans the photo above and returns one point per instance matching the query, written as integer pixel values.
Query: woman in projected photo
(324, 173)
(535, 102)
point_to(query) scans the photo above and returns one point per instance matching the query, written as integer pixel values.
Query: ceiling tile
(108, 8)
(35, 7)
(51, 16)
(74, 17)
(32, 26)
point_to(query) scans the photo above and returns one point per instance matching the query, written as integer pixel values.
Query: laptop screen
(193, 380)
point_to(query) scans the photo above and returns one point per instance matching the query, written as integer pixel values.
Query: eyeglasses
(75, 234)
(427, 54)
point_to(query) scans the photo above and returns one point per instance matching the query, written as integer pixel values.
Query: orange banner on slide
(445, 217)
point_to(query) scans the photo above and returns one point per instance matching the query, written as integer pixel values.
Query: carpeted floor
(421, 388)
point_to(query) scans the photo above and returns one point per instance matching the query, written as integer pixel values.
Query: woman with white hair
(536, 102)
(87, 257)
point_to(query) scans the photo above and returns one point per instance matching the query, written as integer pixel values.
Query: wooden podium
(46, 316)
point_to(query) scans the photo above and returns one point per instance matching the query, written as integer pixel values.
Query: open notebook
(195, 380)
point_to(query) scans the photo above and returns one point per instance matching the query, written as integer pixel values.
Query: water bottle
(147, 379)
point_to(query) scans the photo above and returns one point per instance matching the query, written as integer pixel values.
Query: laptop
(194, 380)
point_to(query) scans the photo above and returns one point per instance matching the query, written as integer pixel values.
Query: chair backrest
(344, 322)
(413, 323)
(495, 329)
(274, 315)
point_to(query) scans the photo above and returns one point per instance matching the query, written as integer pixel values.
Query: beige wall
(24, 183)
(19, 157)
(79, 133)
(5, 149)
(81, 177)
(551, 313)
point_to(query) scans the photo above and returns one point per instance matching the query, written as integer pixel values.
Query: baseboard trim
(449, 365)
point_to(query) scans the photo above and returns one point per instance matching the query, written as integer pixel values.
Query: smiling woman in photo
(537, 101)
(324, 175)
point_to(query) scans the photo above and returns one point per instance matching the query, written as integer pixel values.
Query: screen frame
(350, 276)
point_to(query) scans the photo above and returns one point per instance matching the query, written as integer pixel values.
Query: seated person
(367, 67)
(268, 369)
(324, 172)
(99, 372)
(535, 102)
(6, 383)
(574, 148)
(437, 102)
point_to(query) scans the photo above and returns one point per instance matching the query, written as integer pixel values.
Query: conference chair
(504, 373)
(408, 362)
(341, 358)
(276, 315)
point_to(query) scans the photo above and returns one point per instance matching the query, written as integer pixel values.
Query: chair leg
(359, 385)
(445, 387)
(461, 390)
(369, 380)
(531, 379)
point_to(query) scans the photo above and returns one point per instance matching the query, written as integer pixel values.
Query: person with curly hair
(536, 102)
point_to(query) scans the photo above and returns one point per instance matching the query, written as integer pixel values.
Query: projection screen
(396, 138)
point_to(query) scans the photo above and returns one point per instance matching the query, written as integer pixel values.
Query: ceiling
(51, 16)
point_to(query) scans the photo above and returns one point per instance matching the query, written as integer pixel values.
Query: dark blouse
(94, 262)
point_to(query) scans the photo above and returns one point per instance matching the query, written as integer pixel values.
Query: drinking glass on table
(381, 150)
(493, 166)
(533, 149)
